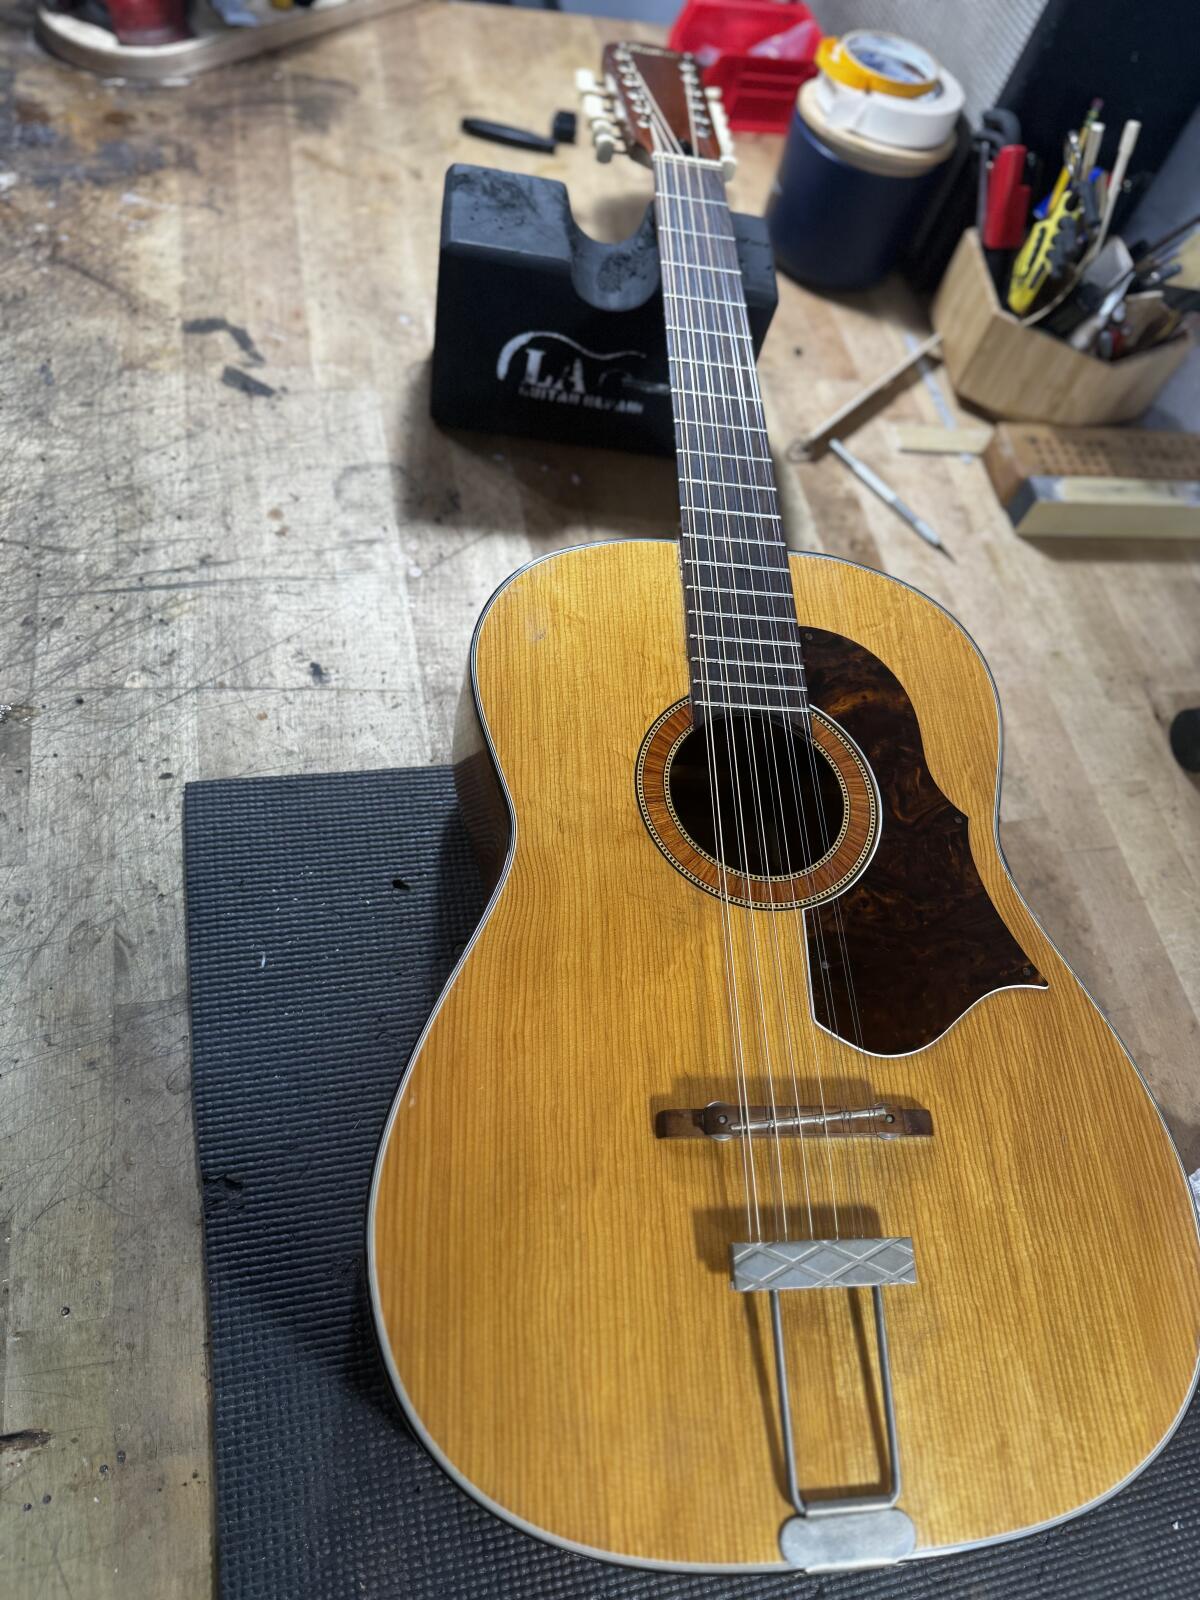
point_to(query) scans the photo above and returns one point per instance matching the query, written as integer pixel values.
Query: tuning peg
(724, 138)
(589, 87)
(604, 143)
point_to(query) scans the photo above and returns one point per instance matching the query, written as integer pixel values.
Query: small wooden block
(929, 439)
(1097, 482)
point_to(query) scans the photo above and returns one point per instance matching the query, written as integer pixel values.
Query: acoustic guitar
(765, 1191)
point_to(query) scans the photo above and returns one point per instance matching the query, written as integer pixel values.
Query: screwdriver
(875, 483)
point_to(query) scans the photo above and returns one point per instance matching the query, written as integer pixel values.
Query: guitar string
(749, 402)
(734, 725)
(735, 312)
(695, 191)
(720, 391)
(749, 917)
(733, 1003)
(740, 810)
(737, 327)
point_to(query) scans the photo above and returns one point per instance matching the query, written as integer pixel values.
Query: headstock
(651, 100)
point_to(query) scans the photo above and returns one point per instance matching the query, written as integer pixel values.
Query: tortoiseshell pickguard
(917, 931)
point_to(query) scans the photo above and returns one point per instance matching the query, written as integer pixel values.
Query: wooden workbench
(246, 550)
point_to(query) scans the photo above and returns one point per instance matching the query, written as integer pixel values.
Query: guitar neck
(743, 638)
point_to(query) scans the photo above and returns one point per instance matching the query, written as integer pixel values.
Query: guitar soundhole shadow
(756, 794)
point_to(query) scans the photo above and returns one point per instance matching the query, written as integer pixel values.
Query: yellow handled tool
(1051, 247)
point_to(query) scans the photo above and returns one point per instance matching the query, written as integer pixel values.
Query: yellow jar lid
(881, 62)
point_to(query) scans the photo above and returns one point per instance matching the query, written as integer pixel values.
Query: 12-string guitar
(764, 1189)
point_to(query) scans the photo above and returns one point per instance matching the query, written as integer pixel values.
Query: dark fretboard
(743, 638)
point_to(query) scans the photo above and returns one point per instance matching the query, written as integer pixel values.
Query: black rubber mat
(323, 916)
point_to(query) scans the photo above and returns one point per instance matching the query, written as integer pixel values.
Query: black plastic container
(544, 332)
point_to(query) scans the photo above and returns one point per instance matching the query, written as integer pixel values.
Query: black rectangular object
(323, 915)
(543, 331)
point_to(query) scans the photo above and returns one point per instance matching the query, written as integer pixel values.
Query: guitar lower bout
(583, 1278)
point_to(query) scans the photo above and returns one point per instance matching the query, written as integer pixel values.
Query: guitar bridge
(720, 1121)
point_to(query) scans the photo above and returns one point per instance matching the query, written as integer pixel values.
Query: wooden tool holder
(1009, 370)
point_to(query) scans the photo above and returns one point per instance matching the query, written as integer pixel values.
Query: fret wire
(727, 538)
(735, 426)
(698, 447)
(744, 638)
(743, 335)
(740, 369)
(740, 685)
(732, 511)
(725, 505)
(699, 422)
(713, 360)
(731, 427)
(697, 233)
(737, 705)
(723, 333)
(767, 489)
(743, 683)
(751, 616)
(703, 266)
(721, 561)
(729, 407)
(699, 163)
(766, 544)
(697, 201)
(698, 367)
(688, 298)
(752, 408)
(697, 299)
(764, 489)
(734, 455)
(764, 666)
(749, 592)
(759, 665)
(737, 365)
(703, 394)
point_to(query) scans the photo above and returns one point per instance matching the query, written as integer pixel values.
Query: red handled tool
(1007, 208)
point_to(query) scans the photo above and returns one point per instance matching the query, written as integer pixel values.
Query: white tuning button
(595, 105)
(724, 137)
(604, 144)
(585, 82)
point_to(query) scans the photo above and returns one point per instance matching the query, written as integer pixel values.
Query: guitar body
(552, 1281)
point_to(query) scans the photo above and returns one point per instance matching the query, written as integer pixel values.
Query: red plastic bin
(759, 93)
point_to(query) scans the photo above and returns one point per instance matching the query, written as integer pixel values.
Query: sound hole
(778, 805)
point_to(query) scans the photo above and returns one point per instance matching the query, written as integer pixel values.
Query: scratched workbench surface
(233, 543)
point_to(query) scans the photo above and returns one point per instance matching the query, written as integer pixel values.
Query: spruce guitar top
(764, 1189)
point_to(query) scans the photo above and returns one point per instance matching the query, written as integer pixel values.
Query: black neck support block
(545, 332)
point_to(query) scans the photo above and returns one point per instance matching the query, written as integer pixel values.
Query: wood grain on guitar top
(552, 1280)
